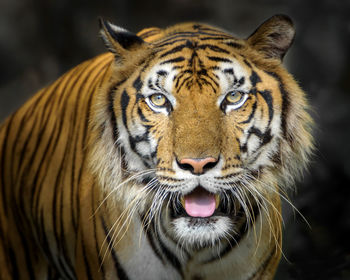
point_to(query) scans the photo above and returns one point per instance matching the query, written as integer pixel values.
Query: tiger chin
(165, 158)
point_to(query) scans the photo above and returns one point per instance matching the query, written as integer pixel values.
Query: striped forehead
(232, 75)
(160, 79)
(198, 55)
(225, 76)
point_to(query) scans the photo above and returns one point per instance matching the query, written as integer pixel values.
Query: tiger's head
(203, 129)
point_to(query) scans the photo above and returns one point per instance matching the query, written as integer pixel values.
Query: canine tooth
(217, 201)
(182, 200)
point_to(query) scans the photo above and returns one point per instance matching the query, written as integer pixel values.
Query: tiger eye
(234, 97)
(158, 99)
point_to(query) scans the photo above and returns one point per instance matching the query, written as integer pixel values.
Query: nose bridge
(197, 129)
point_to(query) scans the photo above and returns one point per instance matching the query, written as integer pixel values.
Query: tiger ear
(118, 40)
(273, 37)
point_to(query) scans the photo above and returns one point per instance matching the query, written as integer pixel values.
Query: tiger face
(205, 126)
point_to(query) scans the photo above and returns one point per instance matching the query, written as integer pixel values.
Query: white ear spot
(117, 39)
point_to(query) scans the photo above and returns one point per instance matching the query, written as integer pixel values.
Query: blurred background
(41, 39)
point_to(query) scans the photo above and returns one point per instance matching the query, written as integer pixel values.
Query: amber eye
(158, 99)
(233, 100)
(234, 97)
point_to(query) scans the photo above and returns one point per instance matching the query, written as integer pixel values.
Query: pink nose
(197, 165)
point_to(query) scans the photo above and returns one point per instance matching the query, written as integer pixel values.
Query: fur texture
(96, 169)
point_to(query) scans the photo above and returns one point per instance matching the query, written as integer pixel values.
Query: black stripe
(112, 115)
(212, 80)
(183, 82)
(178, 77)
(2, 166)
(28, 114)
(174, 50)
(228, 71)
(141, 115)
(97, 244)
(234, 45)
(56, 203)
(173, 60)
(132, 140)
(54, 210)
(241, 81)
(46, 111)
(137, 84)
(86, 262)
(139, 138)
(204, 80)
(111, 111)
(149, 33)
(22, 219)
(172, 258)
(243, 148)
(213, 48)
(266, 94)
(219, 59)
(216, 37)
(124, 102)
(162, 73)
(118, 267)
(198, 60)
(247, 63)
(236, 238)
(150, 84)
(149, 230)
(44, 243)
(265, 137)
(252, 113)
(73, 128)
(285, 103)
(175, 37)
(36, 193)
(203, 27)
(254, 78)
(263, 266)
(170, 42)
(93, 87)
(57, 209)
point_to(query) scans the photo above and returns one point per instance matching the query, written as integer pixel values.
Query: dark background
(41, 39)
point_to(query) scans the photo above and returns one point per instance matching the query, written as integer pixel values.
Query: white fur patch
(165, 82)
(226, 80)
(133, 160)
(196, 232)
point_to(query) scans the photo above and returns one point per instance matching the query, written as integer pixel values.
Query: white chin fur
(196, 235)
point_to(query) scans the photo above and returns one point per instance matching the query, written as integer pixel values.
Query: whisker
(133, 177)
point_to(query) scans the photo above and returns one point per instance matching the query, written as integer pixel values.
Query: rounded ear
(274, 37)
(118, 40)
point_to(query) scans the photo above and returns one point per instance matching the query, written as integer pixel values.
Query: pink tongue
(200, 203)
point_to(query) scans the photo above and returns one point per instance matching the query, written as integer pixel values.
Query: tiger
(166, 157)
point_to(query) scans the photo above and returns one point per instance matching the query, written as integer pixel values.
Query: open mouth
(203, 204)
